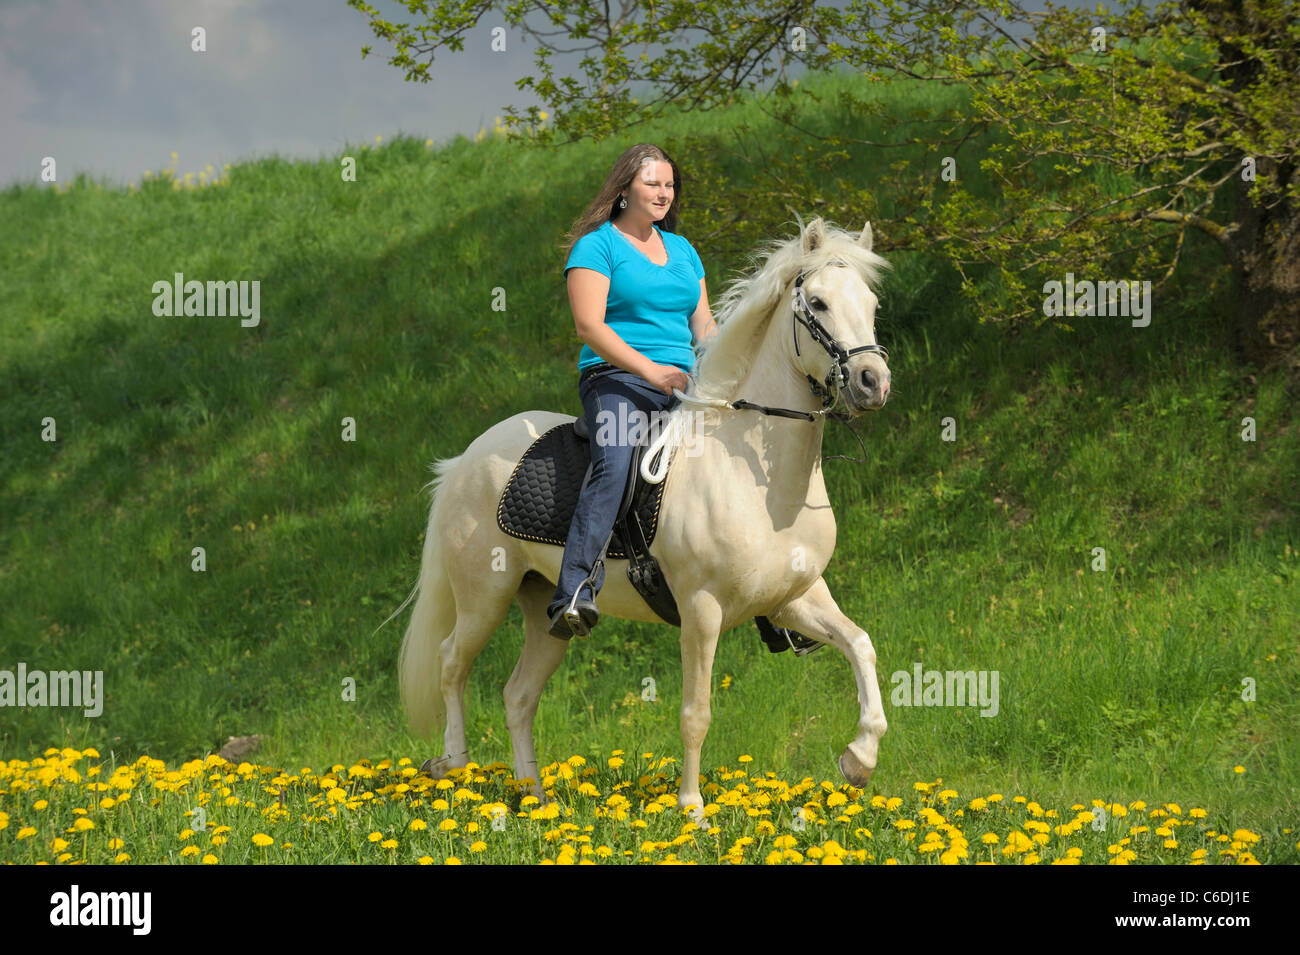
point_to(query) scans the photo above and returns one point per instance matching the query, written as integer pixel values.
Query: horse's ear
(814, 236)
(865, 239)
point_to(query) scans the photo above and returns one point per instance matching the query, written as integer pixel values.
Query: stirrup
(574, 618)
(804, 646)
(578, 620)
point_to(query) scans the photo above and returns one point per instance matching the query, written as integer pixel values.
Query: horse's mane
(749, 301)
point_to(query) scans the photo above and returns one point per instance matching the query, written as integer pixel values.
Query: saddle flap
(540, 498)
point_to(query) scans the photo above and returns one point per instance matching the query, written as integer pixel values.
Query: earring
(622, 203)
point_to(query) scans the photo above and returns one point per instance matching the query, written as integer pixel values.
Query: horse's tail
(432, 620)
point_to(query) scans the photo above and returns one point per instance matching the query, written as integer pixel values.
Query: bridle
(838, 376)
(827, 390)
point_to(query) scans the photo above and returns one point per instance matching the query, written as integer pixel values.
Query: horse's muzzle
(868, 388)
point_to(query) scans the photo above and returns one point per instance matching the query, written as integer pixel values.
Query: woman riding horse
(639, 303)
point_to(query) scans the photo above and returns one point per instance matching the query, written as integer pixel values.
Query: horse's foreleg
(816, 614)
(541, 656)
(701, 621)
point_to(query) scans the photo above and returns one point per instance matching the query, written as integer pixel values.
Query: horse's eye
(817, 303)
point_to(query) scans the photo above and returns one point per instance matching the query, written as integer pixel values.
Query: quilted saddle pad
(539, 499)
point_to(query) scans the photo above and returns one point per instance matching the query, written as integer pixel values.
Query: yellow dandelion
(262, 840)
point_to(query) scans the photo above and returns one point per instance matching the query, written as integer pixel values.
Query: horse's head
(835, 320)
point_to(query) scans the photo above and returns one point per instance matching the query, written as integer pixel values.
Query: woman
(640, 304)
(638, 298)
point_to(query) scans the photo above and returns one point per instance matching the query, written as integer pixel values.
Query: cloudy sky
(111, 87)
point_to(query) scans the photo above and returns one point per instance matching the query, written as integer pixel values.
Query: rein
(827, 390)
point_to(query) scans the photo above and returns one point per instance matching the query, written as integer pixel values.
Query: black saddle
(541, 497)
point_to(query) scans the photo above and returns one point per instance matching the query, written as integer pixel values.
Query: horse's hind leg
(541, 656)
(481, 606)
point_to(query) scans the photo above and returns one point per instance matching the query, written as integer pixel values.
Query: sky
(111, 87)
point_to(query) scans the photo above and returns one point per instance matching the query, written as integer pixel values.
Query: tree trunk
(1266, 245)
(1267, 273)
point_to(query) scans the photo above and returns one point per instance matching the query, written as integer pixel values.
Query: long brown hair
(604, 208)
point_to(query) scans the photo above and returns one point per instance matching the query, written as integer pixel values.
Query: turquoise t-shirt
(650, 306)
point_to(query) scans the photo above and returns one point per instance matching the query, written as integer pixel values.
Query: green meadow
(1170, 675)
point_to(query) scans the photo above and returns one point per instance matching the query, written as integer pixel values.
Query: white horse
(745, 528)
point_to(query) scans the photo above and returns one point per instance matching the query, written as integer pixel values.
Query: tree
(1190, 108)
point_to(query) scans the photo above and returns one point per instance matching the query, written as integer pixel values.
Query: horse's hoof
(695, 809)
(437, 767)
(853, 770)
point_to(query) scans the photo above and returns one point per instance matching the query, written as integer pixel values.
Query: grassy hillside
(377, 304)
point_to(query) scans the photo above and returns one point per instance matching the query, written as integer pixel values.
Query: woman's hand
(666, 378)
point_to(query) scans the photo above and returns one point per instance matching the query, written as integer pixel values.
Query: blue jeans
(616, 404)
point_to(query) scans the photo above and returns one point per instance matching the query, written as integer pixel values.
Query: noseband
(838, 376)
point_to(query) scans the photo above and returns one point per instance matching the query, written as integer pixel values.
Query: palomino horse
(745, 529)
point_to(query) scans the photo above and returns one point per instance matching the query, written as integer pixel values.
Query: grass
(377, 300)
(75, 806)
